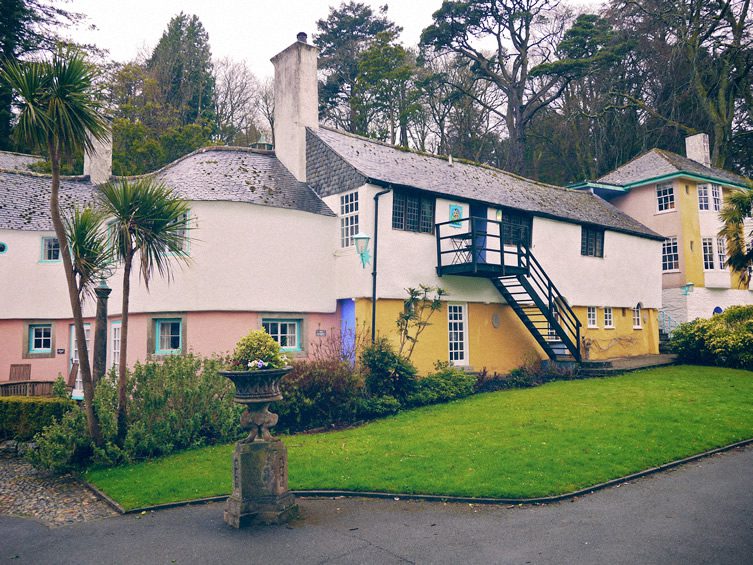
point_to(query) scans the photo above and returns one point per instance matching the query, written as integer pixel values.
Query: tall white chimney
(296, 103)
(98, 162)
(697, 148)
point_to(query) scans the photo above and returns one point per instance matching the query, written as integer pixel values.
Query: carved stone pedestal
(260, 485)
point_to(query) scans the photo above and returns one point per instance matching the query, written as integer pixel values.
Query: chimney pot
(302, 37)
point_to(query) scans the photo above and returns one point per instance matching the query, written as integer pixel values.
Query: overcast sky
(253, 30)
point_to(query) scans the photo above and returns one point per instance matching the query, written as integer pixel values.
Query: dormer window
(665, 197)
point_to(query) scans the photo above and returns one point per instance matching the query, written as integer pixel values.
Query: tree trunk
(75, 299)
(123, 365)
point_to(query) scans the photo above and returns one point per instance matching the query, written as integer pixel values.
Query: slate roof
(658, 162)
(17, 161)
(384, 164)
(215, 173)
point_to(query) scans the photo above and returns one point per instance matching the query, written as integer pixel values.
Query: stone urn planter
(260, 461)
(257, 390)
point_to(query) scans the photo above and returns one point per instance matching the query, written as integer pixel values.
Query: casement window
(608, 317)
(40, 338)
(707, 243)
(287, 333)
(665, 197)
(457, 334)
(716, 197)
(591, 317)
(516, 228)
(721, 251)
(670, 256)
(182, 231)
(591, 242)
(115, 344)
(168, 336)
(703, 197)
(74, 357)
(348, 218)
(50, 249)
(412, 212)
(637, 323)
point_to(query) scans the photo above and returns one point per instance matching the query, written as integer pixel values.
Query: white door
(73, 356)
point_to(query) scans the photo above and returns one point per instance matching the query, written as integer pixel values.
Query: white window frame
(665, 198)
(349, 219)
(716, 197)
(457, 325)
(707, 248)
(47, 247)
(592, 317)
(703, 197)
(115, 351)
(637, 318)
(297, 323)
(670, 249)
(721, 252)
(73, 350)
(608, 318)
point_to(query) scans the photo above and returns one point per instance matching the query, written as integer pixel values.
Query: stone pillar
(99, 365)
(260, 485)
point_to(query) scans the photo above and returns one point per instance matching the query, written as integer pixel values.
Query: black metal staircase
(488, 249)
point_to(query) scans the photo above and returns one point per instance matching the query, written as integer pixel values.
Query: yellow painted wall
(686, 193)
(510, 345)
(623, 340)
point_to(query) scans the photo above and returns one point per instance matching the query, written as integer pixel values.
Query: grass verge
(544, 441)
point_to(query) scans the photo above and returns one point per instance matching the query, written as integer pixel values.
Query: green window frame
(40, 338)
(3, 247)
(285, 331)
(168, 336)
(50, 250)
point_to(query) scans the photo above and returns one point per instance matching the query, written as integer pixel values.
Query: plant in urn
(260, 469)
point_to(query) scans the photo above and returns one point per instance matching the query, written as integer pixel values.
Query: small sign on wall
(456, 214)
(321, 333)
(60, 351)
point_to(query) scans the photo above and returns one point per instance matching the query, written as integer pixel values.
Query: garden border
(437, 497)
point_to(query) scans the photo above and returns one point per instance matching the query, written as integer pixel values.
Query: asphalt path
(701, 512)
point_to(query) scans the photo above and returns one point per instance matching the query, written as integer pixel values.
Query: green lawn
(543, 441)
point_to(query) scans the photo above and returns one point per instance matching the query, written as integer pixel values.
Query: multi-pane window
(285, 332)
(40, 338)
(721, 250)
(591, 315)
(516, 228)
(591, 242)
(457, 337)
(716, 197)
(348, 218)
(707, 244)
(670, 256)
(182, 231)
(50, 249)
(665, 197)
(74, 358)
(168, 337)
(703, 197)
(637, 317)
(608, 317)
(412, 212)
(115, 344)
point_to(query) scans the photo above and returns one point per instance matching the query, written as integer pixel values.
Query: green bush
(725, 340)
(257, 350)
(64, 445)
(318, 393)
(387, 373)
(447, 383)
(371, 407)
(22, 417)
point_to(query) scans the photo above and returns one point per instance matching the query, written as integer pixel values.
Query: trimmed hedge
(21, 417)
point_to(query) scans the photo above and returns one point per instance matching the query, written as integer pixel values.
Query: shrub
(64, 445)
(318, 393)
(21, 417)
(257, 350)
(59, 389)
(387, 373)
(446, 383)
(370, 407)
(725, 339)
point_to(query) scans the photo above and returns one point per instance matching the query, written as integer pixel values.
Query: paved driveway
(700, 513)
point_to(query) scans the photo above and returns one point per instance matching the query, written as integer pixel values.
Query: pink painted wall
(205, 333)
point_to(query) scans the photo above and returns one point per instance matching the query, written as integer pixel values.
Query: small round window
(3, 247)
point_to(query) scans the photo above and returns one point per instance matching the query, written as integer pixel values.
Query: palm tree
(91, 252)
(149, 223)
(738, 207)
(58, 112)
